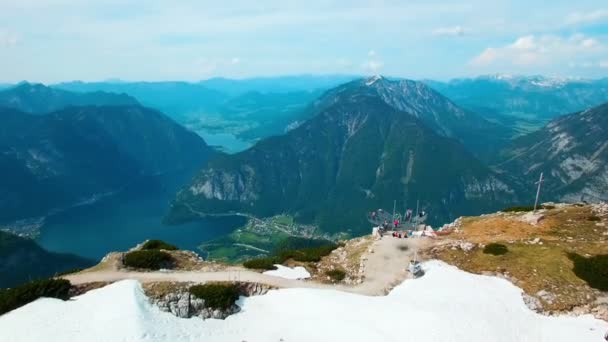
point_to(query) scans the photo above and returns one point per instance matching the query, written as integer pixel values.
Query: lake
(119, 222)
(227, 142)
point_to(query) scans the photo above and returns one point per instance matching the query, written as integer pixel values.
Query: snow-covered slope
(297, 272)
(445, 305)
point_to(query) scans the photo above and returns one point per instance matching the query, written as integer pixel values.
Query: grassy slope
(536, 267)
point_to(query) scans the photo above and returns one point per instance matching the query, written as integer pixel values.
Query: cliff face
(356, 154)
(571, 151)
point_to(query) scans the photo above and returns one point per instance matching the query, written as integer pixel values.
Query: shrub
(265, 263)
(593, 218)
(158, 245)
(148, 259)
(15, 297)
(336, 275)
(216, 296)
(313, 254)
(593, 270)
(495, 249)
(523, 208)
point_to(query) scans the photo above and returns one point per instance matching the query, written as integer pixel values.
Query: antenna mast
(540, 182)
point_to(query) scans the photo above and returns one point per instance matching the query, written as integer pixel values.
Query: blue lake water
(119, 222)
(228, 142)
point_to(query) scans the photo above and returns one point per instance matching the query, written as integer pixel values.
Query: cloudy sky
(58, 40)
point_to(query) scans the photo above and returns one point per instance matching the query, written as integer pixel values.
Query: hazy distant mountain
(22, 260)
(571, 150)
(40, 99)
(534, 100)
(249, 108)
(176, 99)
(356, 154)
(61, 158)
(279, 84)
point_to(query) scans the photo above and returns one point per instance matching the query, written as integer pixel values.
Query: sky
(60, 40)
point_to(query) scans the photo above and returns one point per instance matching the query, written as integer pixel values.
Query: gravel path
(385, 267)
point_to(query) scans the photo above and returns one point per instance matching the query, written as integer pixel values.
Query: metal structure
(407, 221)
(540, 182)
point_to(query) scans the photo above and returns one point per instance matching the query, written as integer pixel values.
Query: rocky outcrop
(184, 305)
(179, 302)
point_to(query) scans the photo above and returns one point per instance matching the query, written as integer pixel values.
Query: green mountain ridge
(40, 99)
(571, 151)
(56, 160)
(356, 154)
(22, 259)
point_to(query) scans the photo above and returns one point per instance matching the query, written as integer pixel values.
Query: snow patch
(297, 272)
(445, 305)
(373, 80)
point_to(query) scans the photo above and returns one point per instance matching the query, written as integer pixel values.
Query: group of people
(400, 235)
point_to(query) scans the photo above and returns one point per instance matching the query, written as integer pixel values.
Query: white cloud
(373, 66)
(453, 31)
(373, 63)
(543, 50)
(235, 60)
(8, 39)
(582, 18)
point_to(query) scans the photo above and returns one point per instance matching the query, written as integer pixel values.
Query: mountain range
(22, 259)
(571, 151)
(368, 142)
(40, 99)
(525, 102)
(249, 108)
(71, 155)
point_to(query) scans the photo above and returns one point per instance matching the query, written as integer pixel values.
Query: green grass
(593, 270)
(264, 263)
(216, 296)
(495, 249)
(525, 208)
(158, 245)
(285, 220)
(311, 254)
(16, 297)
(336, 275)
(148, 259)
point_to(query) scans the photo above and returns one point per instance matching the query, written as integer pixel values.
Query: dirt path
(385, 267)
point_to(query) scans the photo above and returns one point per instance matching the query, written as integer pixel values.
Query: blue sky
(59, 40)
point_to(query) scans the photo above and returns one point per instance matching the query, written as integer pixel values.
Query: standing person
(396, 223)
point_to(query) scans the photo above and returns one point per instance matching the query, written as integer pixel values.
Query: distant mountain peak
(370, 81)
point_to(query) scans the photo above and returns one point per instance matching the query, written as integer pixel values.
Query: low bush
(593, 270)
(593, 218)
(216, 296)
(524, 208)
(15, 297)
(158, 245)
(336, 275)
(495, 249)
(311, 254)
(265, 263)
(518, 209)
(148, 259)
